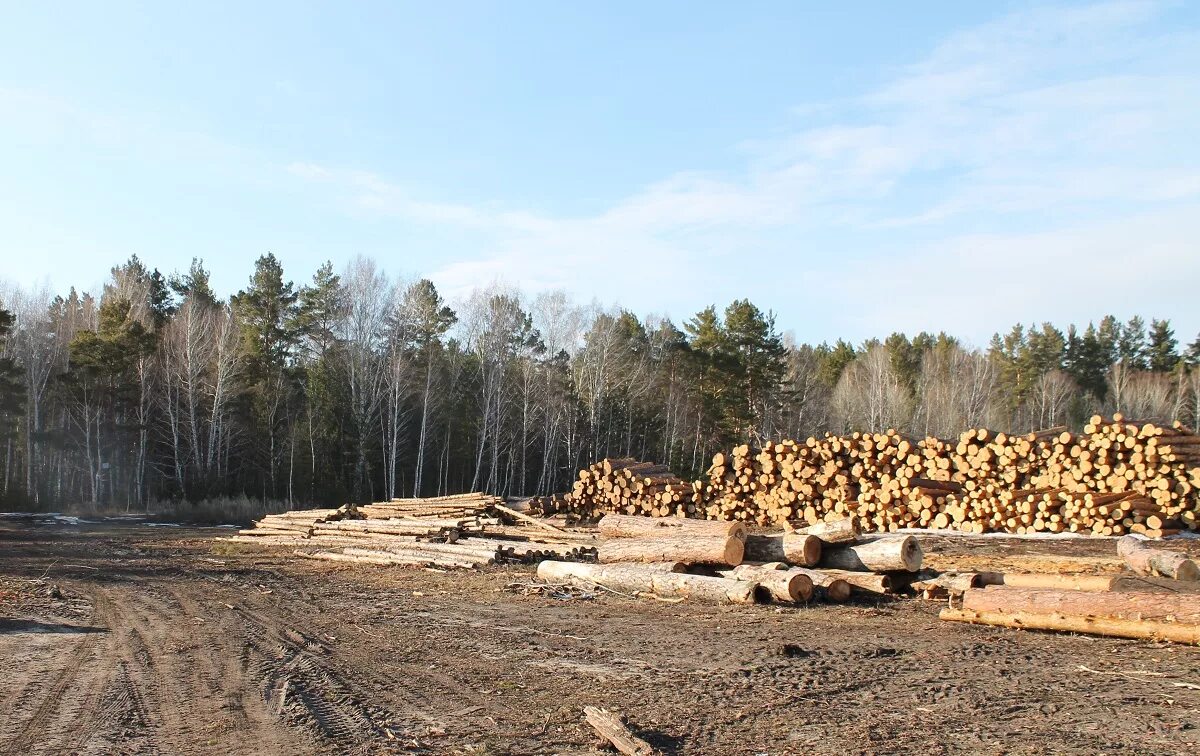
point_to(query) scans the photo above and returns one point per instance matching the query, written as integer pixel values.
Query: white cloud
(1004, 177)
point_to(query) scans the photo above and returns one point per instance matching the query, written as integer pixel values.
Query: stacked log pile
(627, 486)
(1116, 477)
(468, 530)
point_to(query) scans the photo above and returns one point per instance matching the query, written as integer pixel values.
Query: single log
(1182, 608)
(640, 578)
(612, 729)
(633, 526)
(1149, 560)
(1113, 627)
(781, 585)
(871, 582)
(793, 548)
(838, 531)
(693, 549)
(526, 518)
(882, 555)
(1063, 582)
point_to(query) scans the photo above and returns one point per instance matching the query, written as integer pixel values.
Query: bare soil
(127, 639)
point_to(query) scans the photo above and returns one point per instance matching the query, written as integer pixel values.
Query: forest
(356, 386)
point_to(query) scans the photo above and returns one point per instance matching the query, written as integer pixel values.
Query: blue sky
(858, 169)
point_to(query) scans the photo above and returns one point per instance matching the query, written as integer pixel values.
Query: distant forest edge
(359, 387)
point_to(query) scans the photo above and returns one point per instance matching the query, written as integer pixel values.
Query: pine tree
(12, 387)
(1131, 347)
(1162, 352)
(1193, 353)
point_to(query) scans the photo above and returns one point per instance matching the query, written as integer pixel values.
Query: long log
(871, 582)
(1182, 608)
(693, 549)
(794, 548)
(780, 585)
(1148, 560)
(633, 526)
(640, 579)
(883, 555)
(1108, 626)
(612, 729)
(1094, 583)
(838, 531)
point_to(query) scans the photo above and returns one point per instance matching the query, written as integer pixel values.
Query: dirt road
(128, 639)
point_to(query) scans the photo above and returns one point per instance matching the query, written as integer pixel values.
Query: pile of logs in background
(1115, 477)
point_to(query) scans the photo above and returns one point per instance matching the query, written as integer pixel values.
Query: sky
(857, 168)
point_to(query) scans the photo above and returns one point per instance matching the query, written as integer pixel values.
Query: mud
(118, 638)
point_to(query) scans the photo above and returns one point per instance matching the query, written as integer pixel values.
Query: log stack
(469, 530)
(627, 486)
(1116, 477)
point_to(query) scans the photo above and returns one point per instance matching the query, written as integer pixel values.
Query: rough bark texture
(780, 585)
(883, 555)
(633, 526)
(794, 548)
(1117, 628)
(692, 549)
(1149, 560)
(638, 579)
(838, 531)
(1155, 607)
(871, 582)
(1066, 582)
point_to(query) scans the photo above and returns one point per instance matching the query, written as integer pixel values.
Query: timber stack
(1115, 478)
(466, 530)
(628, 486)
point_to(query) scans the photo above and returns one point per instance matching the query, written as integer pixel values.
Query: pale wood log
(781, 585)
(1149, 560)
(1065, 582)
(1108, 626)
(611, 728)
(692, 549)
(1157, 607)
(871, 582)
(526, 518)
(882, 555)
(633, 526)
(640, 578)
(837, 531)
(794, 548)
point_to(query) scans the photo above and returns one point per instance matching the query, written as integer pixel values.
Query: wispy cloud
(1023, 153)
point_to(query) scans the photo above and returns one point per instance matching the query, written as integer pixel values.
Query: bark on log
(780, 585)
(1149, 560)
(829, 587)
(1093, 583)
(611, 728)
(838, 531)
(886, 554)
(793, 548)
(640, 578)
(1113, 627)
(871, 582)
(634, 526)
(1178, 608)
(692, 549)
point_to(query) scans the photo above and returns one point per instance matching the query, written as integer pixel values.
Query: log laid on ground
(635, 526)
(641, 579)
(612, 729)
(1092, 583)
(1150, 560)
(1078, 623)
(882, 555)
(794, 548)
(693, 549)
(790, 586)
(1173, 617)
(844, 530)
(526, 518)
(871, 582)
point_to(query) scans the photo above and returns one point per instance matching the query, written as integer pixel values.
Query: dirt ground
(124, 639)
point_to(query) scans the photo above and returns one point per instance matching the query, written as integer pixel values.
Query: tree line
(357, 386)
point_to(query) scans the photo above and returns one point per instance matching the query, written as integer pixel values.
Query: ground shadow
(32, 626)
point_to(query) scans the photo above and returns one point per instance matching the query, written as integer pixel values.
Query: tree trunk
(780, 585)
(634, 526)
(692, 549)
(793, 548)
(636, 579)
(885, 554)
(1148, 560)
